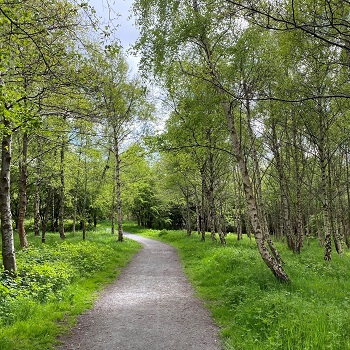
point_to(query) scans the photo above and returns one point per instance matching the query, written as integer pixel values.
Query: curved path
(150, 306)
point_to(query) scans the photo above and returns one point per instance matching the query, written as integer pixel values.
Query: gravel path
(150, 307)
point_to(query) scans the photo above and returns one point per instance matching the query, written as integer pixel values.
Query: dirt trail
(151, 306)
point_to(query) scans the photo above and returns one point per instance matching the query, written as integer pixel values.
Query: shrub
(45, 271)
(162, 233)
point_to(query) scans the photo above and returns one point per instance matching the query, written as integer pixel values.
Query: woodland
(236, 125)
(255, 140)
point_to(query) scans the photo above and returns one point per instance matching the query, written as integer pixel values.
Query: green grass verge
(55, 283)
(255, 311)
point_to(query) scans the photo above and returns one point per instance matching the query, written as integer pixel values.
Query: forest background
(256, 139)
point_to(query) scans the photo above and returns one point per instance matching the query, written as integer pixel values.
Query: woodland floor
(150, 306)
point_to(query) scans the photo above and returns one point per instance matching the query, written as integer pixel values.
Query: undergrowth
(254, 310)
(54, 283)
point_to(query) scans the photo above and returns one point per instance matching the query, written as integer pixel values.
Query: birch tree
(204, 34)
(120, 108)
(39, 29)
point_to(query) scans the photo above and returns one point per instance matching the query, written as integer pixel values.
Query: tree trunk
(37, 207)
(347, 228)
(286, 224)
(62, 201)
(203, 212)
(198, 218)
(113, 207)
(298, 178)
(259, 201)
(83, 228)
(212, 210)
(53, 212)
(220, 223)
(325, 205)
(75, 208)
(23, 175)
(238, 203)
(325, 211)
(269, 260)
(332, 216)
(118, 186)
(95, 219)
(45, 216)
(8, 249)
(239, 228)
(188, 215)
(76, 194)
(43, 231)
(37, 199)
(83, 219)
(300, 225)
(139, 220)
(212, 214)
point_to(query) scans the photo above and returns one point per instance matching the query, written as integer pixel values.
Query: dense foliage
(68, 107)
(258, 100)
(55, 282)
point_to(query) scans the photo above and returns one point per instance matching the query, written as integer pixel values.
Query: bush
(162, 233)
(44, 272)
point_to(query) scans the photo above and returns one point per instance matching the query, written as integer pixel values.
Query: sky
(126, 31)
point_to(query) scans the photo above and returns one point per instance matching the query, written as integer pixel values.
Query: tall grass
(255, 311)
(55, 282)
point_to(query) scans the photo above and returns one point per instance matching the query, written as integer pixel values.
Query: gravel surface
(150, 307)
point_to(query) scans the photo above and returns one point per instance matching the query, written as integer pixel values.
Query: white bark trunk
(8, 249)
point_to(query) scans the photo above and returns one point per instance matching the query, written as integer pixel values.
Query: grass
(55, 283)
(253, 310)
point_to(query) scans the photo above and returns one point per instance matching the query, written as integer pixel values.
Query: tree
(121, 105)
(195, 134)
(32, 32)
(320, 19)
(139, 194)
(202, 34)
